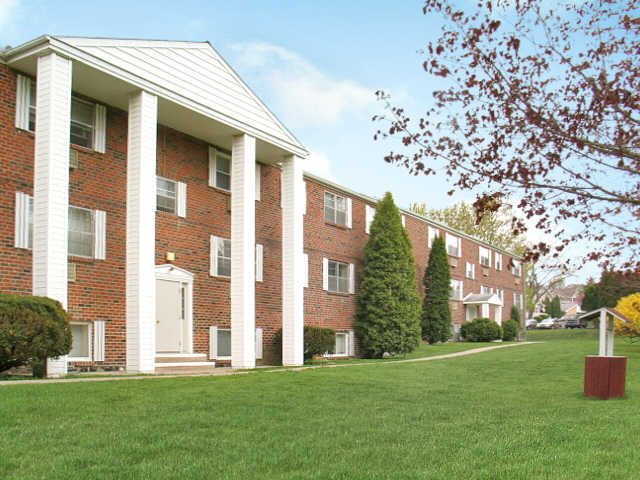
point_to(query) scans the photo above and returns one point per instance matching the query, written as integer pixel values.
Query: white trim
(212, 166)
(22, 211)
(259, 262)
(23, 101)
(258, 182)
(100, 128)
(306, 269)
(497, 259)
(172, 273)
(352, 275)
(99, 340)
(88, 358)
(369, 215)
(259, 346)
(352, 346)
(432, 233)
(99, 235)
(403, 219)
(213, 342)
(181, 199)
(213, 256)
(303, 200)
(349, 213)
(325, 274)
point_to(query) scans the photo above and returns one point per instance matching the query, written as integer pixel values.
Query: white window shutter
(473, 271)
(404, 220)
(306, 269)
(352, 274)
(100, 130)
(21, 239)
(213, 261)
(181, 200)
(258, 343)
(352, 344)
(100, 232)
(212, 166)
(459, 247)
(325, 274)
(23, 99)
(258, 182)
(304, 197)
(259, 262)
(349, 215)
(98, 340)
(213, 342)
(369, 213)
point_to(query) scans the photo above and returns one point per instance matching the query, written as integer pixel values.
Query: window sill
(221, 190)
(81, 259)
(82, 149)
(79, 359)
(220, 277)
(340, 294)
(337, 225)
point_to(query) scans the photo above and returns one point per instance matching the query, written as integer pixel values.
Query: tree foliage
(515, 314)
(542, 278)
(388, 311)
(538, 106)
(492, 227)
(611, 287)
(553, 307)
(436, 314)
(629, 306)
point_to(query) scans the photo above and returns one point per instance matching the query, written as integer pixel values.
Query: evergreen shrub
(510, 330)
(481, 330)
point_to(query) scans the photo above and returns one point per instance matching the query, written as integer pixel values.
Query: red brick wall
(100, 183)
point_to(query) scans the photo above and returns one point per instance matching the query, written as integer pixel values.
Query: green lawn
(506, 414)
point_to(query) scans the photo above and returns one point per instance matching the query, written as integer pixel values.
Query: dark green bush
(481, 330)
(510, 330)
(317, 341)
(32, 329)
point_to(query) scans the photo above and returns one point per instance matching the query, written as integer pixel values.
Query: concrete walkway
(230, 371)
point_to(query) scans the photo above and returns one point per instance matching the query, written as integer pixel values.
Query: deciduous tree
(537, 106)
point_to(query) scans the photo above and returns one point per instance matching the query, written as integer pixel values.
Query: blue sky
(315, 64)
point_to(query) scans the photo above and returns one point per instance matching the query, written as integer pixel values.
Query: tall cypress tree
(388, 313)
(436, 314)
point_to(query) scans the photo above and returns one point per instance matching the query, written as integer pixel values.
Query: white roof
(480, 298)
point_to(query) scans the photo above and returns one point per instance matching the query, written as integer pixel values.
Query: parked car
(547, 323)
(573, 321)
(531, 324)
(560, 322)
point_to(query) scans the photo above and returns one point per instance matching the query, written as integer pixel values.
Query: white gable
(192, 70)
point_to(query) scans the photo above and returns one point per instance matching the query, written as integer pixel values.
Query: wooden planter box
(604, 377)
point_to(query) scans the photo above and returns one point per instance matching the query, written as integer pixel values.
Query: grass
(515, 413)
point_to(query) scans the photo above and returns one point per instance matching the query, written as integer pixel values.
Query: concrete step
(186, 367)
(181, 357)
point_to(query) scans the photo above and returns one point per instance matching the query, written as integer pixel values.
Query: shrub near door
(481, 330)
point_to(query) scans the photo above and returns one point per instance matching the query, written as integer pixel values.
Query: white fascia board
(37, 46)
(433, 223)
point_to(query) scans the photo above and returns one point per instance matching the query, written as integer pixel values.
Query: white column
(243, 240)
(610, 336)
(292, 262)
(51, 186)
(603, 333)
(141, 232)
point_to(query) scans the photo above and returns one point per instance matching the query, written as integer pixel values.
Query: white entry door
(169, 316)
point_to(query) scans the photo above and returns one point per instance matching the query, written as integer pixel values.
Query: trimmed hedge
(32, 329)
(317, 341)
(510, 330)
(481, 330)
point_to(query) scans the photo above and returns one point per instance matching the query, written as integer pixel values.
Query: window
(338, 277)
(165, 195)
(80, 232)
(471, 270)
(223, 253)
(224, 343)
(342, 344)
(516, 270)
(82, 120)
(80, 341)
(335, 209)
(456, 289)
(485, 256)
(486, 290)
(32, 107)
(432, 234)
(500, 294)
(453, 246)
(517, 300)
(223, 171)
(498, 261)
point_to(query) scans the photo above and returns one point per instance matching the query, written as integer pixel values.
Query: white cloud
(7, 8)
(318, 164)
(304, 94)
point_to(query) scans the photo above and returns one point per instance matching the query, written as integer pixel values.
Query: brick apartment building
(150, 191)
